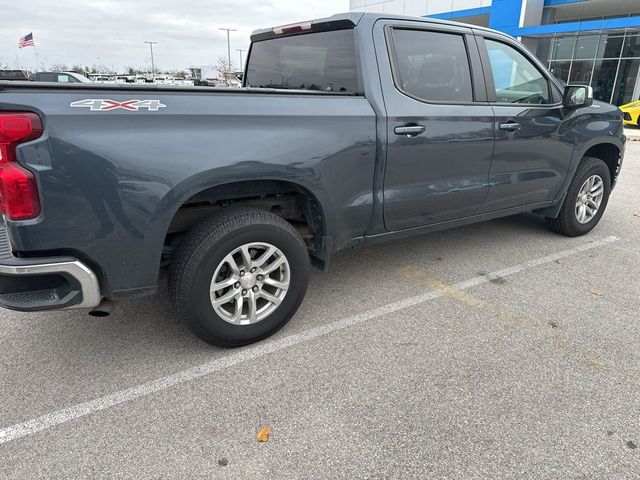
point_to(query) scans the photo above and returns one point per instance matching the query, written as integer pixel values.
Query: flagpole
(35, 53)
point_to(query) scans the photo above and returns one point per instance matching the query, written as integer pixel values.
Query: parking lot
(497, 350)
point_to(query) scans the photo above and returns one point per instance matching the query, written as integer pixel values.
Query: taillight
(19, 199)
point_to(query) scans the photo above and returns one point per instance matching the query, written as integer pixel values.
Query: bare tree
(59, 67)
(224, 70)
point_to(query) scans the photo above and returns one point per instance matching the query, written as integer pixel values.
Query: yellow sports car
(631, 113)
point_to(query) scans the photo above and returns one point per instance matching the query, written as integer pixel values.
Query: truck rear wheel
(239, 276)
(586, 199)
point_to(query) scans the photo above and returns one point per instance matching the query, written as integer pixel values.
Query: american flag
(26, 41)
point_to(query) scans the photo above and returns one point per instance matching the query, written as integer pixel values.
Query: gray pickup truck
(352, 129)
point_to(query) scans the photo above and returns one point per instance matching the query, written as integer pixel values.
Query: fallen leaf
(263, 434)
(597, 293)
(552, 323)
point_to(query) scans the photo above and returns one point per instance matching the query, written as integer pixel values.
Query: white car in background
(60, 77)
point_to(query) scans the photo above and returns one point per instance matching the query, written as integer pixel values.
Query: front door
(532, 155)
(439, 126)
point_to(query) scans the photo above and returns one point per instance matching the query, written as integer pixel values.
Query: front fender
(600, 124)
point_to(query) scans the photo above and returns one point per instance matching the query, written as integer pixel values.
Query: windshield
(324, 61)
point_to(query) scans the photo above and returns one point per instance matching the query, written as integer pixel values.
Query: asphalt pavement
(632, 133)
(495, 351)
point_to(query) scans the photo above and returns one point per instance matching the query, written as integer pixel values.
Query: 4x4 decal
(104, 105)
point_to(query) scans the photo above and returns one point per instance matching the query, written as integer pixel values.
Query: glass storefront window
(541, 47)
(604, 75)
(626, 82)
(561, 70)
(609, 62)
(610, 47)
(587, 47)
(631, 47)
(581, 72)
(563, 48)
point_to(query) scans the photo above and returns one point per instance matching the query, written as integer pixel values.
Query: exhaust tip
(103, 310)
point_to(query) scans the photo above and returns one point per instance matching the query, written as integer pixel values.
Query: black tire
(206, 245)
(566, 222)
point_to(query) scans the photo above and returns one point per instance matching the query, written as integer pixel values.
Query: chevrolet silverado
(348, 130)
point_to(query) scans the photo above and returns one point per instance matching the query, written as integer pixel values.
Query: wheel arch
(296, 201)
(607, 149)
(609, 153)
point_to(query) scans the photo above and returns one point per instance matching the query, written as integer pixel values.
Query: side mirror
(577, 96)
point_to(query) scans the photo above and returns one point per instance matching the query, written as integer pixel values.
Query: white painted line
(269, 346)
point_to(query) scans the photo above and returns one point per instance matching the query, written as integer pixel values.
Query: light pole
(241, 64)
(153, 65)
(228, 30)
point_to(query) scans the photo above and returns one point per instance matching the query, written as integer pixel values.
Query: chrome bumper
(32, 284)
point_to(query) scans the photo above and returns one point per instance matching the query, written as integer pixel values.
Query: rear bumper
(48, 283)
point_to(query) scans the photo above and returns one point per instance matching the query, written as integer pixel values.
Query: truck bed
(111, 178)
(131, 87)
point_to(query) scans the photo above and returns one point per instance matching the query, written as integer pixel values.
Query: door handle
(510, 126)
(409, 130)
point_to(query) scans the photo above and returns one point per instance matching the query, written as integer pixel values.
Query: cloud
(112, 32)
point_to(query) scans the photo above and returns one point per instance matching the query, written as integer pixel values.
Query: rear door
(439, 125)
(531, 156)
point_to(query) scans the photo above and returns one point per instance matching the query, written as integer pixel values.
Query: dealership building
(586, 42)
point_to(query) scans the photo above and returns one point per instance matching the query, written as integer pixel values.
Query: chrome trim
(89, 285)
(589, 91)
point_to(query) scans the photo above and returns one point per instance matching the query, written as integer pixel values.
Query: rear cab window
(323, 61)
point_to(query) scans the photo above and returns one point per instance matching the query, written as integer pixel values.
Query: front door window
(516, 79)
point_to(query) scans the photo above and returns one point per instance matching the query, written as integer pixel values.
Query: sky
(111, 33)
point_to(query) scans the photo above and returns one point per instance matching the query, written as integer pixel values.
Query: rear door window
(432, 66)
(324, 61)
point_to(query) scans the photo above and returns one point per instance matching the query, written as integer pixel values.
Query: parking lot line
(67, 414)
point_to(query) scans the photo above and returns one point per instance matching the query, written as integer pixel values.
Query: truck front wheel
(586, 199)
(239, 276)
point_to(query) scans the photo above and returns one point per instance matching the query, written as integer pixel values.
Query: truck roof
(349, 20)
